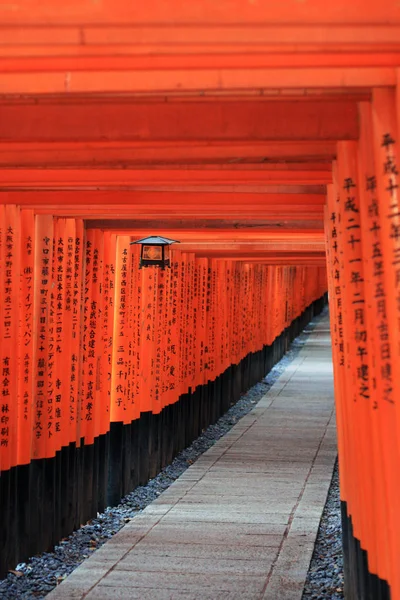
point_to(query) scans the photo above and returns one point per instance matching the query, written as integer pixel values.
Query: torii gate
(260, 134)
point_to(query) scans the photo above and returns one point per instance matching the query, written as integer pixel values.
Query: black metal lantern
(155, 251)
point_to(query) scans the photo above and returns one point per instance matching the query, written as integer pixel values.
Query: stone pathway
(242, 521)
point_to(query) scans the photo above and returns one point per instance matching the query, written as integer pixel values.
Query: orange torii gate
(244, 130)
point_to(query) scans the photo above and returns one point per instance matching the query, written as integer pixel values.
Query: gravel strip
(36, 578)
(325, 575)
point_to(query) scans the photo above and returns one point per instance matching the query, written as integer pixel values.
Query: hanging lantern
(155, 251)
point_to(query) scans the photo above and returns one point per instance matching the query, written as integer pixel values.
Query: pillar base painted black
(44, 501)
(359, 583)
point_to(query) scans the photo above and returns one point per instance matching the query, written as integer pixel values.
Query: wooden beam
(180, 59)
(165, 82)
(154, 179)
(169, 201)
(129, 153)
(206, 13)
(168, 121)
(264, 226)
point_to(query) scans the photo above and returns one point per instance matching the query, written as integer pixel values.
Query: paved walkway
(241, 522)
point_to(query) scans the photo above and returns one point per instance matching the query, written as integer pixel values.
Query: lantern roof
(157, 240)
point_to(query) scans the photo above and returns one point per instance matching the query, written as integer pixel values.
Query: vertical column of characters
(107, 321)
(357, 382)
(240, 310)
(138, 298)
(42, 421)
(277, 300)
(4, 408)
(147, 336)
(186, 309)
(86, 405)
(338, 283)
(67, 281)
(296, 283)
(231, 276)
(220, 332)
(259, 305)
(306, 286)
(386, 154)
(266, 294)
(119, 407)
(235, 298)
(262, 316)
(250, 304)
(272, 293)
(285, 290)
(286, 284)
(246, 311)
(153, 291)
(268, 304)
(282, 305)
(96, 348)
(174, 330)
(228, 324)
(335, 279)
(10, 284)
(263, 304)
(282, 308)
(209, 319)
(159, 340)
(387, 184)
(165, 333)
(213, 321)
(75, 390)
(292, 294)
(381, 405)
(26, 308)
(188, 313)
(250, 310)
(251, 321)
(54, 428)
(225, 296)
(133, 323)
(258, 309)
(228, 313)
(88, 335)
(57, 357)
(181, 322)
(195, 298)
(188, 319)
(201, 323)
(302, 288)
(130, 334)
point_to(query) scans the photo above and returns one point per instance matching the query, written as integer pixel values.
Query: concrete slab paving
(241, 522)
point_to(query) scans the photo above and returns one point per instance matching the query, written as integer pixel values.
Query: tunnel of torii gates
(264, 138)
